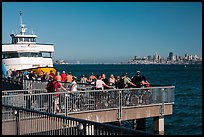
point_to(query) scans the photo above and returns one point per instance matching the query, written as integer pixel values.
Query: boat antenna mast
(23, 29)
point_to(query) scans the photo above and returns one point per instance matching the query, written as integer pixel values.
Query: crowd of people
(99, 82)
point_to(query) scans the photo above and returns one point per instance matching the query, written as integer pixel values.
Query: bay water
(187, 79)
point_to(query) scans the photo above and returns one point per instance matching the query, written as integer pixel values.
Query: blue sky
(108, 32)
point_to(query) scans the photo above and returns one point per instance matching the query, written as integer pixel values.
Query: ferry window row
(15, 40)
(26, 54)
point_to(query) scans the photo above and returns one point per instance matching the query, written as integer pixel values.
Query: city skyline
(148, 59)
(109, 31)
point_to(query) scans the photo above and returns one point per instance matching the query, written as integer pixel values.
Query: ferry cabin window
(3, 56)
(30, 54)
(27, 39)
(10, 55)
(26, 54)
(33, 39)
(14, 40)
(36, 54)
(20, 40)
(47, 54)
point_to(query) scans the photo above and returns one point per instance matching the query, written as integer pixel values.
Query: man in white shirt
(100, 83)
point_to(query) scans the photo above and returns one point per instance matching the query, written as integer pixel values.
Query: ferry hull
(38, 70)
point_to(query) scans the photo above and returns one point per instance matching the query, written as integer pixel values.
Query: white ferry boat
(24, 53)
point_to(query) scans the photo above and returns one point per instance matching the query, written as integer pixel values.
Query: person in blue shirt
(25, 74)
(4, 72)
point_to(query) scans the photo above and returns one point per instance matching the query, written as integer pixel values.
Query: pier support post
(158, 125)
(134, 124)
(89, 129)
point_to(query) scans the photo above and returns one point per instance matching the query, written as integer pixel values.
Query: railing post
(89, 129)
(84, 128)
(17, 114)
(162, 106)
(159, 121)
(120, 107)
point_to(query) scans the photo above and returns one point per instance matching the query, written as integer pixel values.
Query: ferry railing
(15, 80)
(43, 123)
(38, 84)
(89, 100)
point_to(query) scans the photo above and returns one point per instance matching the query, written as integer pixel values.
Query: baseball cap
(138, 72)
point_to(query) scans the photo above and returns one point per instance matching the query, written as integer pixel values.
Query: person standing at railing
(46, 76)
(73, 89)
(63, 76)
(100, 84)
(4, 72)
(137, 79)
(31, 75)
(25, 74)
(68, 79)
(58, 76)
(40, 76)
(112, 80)
(105, 80)
(73, 84)
(20, 78)
(54, 97)
(51, 75)
(92, 78)
(83, 79)
(14, 75)
(9, 74)
(125, 81)
(43, 79)
(117, 82)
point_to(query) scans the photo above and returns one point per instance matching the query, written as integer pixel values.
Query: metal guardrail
(43, 123)
(88, 100)
(84, 100)
(38, 84)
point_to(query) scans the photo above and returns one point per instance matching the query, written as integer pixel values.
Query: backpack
(121, 84)
(50, 86)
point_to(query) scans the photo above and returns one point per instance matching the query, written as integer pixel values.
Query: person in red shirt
(63, 76)
(57, 85)
(52, 75)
